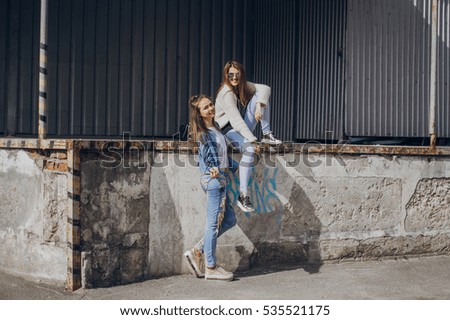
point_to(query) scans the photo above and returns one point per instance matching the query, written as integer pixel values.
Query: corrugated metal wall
(130, 65)
(388, 69)
(443, 70)
(119, 65)
(275, 60)
(19, 67)
(320, 84)
(298, 52)
(140, 59)
(3, 45)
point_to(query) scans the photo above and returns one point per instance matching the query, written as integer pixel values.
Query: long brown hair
(243, 92)
(197, 128)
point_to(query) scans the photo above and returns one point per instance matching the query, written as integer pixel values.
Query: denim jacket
(208, 157)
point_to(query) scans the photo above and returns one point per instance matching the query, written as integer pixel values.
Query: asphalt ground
(398, 279)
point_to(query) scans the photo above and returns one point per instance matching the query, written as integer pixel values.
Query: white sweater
(227, 111)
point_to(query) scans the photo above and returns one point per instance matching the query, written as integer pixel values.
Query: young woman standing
(239, 106)
(213, 162)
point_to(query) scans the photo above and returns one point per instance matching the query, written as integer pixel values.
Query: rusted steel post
(73, 218)
(432, 115)
(42, 126)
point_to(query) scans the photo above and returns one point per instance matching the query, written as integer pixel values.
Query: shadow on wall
(165, 228)
(284, 227)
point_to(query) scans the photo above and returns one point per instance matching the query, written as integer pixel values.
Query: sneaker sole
(243, 208)
(220, 279)
(192, 265)
(271, 143)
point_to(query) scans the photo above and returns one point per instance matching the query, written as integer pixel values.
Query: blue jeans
(220, 215)
(244, 146)
(250, 120)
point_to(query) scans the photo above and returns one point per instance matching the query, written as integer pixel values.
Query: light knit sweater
(227, 111)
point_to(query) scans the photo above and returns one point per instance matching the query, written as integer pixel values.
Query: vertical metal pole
(42, 127)
(432, 115)
(73, 218)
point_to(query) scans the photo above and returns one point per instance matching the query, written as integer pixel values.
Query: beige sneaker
(218, 273)
(196, 262)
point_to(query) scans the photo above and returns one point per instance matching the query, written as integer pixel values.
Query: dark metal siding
(19, 49)
(443, 70)
(118, 66)
(320, 84)
(3, 53)
(129, 66)
(275, 60)
(388, 68)
(297, 53)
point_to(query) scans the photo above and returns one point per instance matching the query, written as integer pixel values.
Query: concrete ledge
(183, 146)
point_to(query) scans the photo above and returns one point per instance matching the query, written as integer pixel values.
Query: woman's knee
(248, 149)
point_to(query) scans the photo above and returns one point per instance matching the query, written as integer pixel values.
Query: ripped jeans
(220, 215)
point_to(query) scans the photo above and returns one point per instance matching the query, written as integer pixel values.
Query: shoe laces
(269, 136)
(246, 201)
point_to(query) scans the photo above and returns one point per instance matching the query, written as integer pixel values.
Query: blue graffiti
(262, 191)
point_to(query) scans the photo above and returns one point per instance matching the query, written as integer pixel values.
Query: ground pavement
(412, 278)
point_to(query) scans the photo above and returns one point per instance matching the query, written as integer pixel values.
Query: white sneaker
(196, 262)
(218, 273)
(244, 203)
(270, 139)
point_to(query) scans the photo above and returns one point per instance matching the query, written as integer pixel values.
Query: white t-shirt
(221, 148)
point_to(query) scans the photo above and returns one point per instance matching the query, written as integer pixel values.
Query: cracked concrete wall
(33, 215)
(114, 220)
(321, 207)
(139, 215)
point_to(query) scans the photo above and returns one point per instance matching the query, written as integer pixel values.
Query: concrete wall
(143, 216)
(115, 213)
(33, 213)
(141, 210)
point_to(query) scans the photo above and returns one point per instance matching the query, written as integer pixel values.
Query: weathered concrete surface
(429, 207)
(139, 214)
(32, 215)
(114, 222)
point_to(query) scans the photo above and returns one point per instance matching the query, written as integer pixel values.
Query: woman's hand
(214, 172)
(258, 112)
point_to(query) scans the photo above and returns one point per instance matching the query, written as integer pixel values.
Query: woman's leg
(229, 220)
(265, 126)
(246, 163)
(215, 209)
(250, 116)
(220, 218)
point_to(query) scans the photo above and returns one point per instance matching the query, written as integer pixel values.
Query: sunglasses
(234, 75)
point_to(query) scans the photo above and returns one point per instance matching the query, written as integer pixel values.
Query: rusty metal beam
(183, 146)
(73, 279)
(16, 143)
(374, 150)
